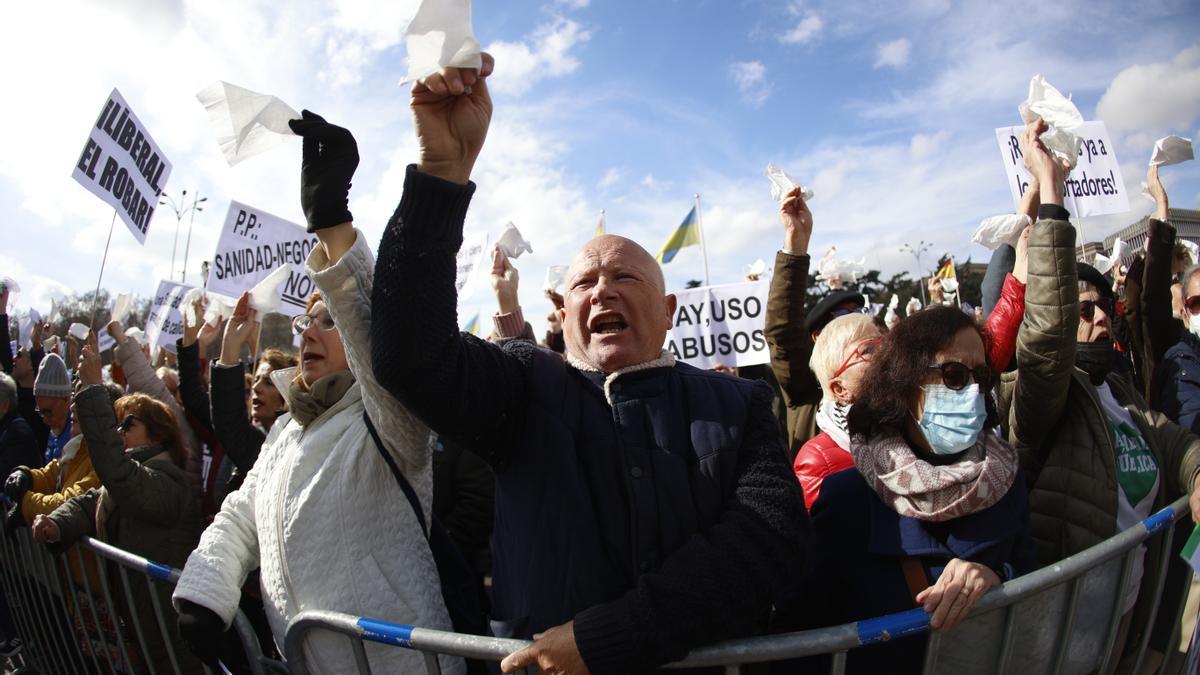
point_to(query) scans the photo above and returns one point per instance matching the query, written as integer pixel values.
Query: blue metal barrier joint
(386, 633)
(892, 626)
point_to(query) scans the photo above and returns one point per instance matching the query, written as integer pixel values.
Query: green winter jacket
(1055, 420)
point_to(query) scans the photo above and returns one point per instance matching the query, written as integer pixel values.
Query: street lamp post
(181, 209)
(188, 246)
(917, 251)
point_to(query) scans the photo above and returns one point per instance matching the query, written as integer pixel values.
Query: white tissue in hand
(1118, 250)
(121, 307)
(139, 335)
(555, 276)
(997, 230)
(782, 184)
(1192, 249)
(186, 308)
(913, 306)
(78, 331)
(1171, 150)
(756, 268)
(264, 297)
(246, 123)
(950, 285)
(50, 344)
(511, 243)
(1046, 102)
(830, 269)
(1064, 145)
(1102, 263)
(218, 306)
(440, 36)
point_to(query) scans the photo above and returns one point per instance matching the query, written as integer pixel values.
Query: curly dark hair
(897, 371)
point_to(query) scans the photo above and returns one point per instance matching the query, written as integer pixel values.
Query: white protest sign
(165, 324)
(122, 165)
(721, 325)
(472, 258)
(1093, 188)
(254, 244)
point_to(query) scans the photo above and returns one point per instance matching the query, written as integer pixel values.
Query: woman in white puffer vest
(321, 513)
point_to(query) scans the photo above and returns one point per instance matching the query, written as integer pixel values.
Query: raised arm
(190, 349)
(790, 344)
(462, 387)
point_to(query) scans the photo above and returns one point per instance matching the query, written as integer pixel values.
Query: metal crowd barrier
(64, 611)
(1063, 618)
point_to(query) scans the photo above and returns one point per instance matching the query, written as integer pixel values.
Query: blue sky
(886, 109)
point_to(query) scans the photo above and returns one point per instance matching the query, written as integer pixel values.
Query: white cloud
(893, 54)
(803, 32)
(1156, 98)
(543, 54)
(610, 178)
(751, 80)
(574, 4)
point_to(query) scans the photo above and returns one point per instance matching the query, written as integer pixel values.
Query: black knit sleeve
(464, 388)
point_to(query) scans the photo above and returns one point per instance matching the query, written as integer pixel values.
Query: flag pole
(700, 228)
(103, 261)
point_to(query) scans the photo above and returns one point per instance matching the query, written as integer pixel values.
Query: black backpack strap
(408, 490)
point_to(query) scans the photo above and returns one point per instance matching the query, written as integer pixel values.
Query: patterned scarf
(917, 489)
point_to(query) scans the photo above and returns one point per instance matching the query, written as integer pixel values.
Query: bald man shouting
(643, 507)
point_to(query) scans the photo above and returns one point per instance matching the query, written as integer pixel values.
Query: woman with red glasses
(839, 359)
(1179, 379)
(936, 512)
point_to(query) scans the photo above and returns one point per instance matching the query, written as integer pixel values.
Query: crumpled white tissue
(246, 123)
(1118, 250)
(890, 318)
(1192, 249)
(1102, 263)
(950, 285)
(78, 331)
(219, 306)
(997, 230)
(511, 243)
(782, 184)
(1171, 150)
(121, 307)
(264, 297)
(50, 344)
(555, 276)
(913, 306)
(757, 268)
(139, 335)
(1060, 113)
(440, 36)
(845, 271)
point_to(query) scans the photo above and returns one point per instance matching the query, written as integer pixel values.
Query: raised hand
(116, 331)
(1155, 187)
(797, 222)
(330, 157)
(240, 329)
(505, 281)
(1050, 171)
(452, 110)
(89, 366)
(191, 331)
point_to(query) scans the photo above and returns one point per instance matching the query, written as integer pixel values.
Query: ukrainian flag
(472, 326)
(687, 234)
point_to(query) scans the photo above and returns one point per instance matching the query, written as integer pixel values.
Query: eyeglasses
(302, 321)
(126, 424)
(863, 352)
(1087, 308)
(957, 375)
(1192, 303)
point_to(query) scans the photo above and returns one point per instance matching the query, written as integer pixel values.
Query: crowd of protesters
(591, 493)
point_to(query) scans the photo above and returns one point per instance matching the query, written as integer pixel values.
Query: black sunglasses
(126, 424)
(1087, 308)
(957, 376)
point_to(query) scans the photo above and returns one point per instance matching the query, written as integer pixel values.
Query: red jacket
(1000, 331)
(818, 458)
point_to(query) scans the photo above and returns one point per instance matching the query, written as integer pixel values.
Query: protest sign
(122, 165)
(165, 324)
(254, 244)
(1093, 188)
(472, 258)
(720, 325)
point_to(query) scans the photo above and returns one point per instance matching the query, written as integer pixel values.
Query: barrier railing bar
(837, 665)
(74, 653)
(17, 597)
(249, 640)
(1118, 604)
(136, 620)
(39, 590)
(1164, 559)
(360, 655)
(1064, 634)
(431, 663)
(732, 669)
(86, 643)
(1006, 640)
(87, 588)
(1162, 667)
(162, 625)
(112, 607)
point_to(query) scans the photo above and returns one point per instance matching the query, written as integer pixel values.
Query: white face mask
(1194, 324)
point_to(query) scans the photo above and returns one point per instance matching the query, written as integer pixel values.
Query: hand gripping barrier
(1063, 618)
(86, 610)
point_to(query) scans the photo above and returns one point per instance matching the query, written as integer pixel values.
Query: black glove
(13, 519)
(202, 631)
(330, 158)
(17, 484)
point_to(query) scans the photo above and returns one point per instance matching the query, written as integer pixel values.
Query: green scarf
(307, 406)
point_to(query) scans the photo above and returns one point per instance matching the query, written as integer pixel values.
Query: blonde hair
(829, 351)
(298, 379)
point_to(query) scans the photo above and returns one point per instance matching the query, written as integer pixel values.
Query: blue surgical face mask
(952, 419)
